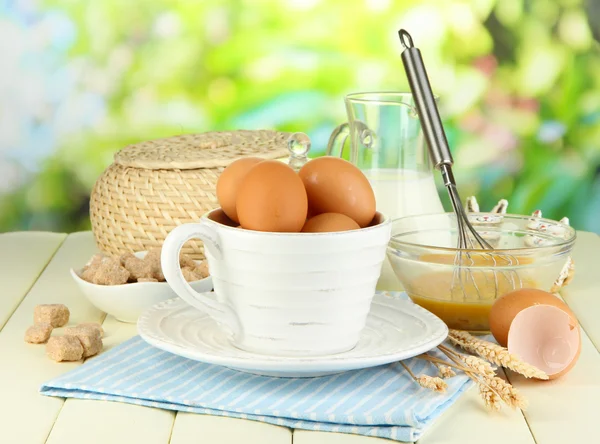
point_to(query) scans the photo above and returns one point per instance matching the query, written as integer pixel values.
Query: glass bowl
(529, 252)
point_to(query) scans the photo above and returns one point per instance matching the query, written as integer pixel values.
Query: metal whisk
(468, 238)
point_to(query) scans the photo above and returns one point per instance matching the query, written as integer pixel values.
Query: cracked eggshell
(506, 308)
(546, 337)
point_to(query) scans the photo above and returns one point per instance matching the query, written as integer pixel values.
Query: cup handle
(171, 268)
(337, 140)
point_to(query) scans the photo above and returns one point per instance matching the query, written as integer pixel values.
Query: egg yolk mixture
(463, 301)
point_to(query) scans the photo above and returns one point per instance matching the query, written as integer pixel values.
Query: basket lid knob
(298, 146)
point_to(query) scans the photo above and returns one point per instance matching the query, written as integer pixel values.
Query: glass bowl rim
(397, 244)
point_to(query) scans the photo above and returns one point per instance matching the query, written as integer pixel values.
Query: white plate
(396, 329)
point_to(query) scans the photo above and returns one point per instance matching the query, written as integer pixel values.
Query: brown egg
(334, 185)
(508, 306)
(329, 222)
(272, 198)
(229, 182)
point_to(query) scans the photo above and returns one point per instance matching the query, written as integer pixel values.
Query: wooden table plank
(111, 422)
(191, 428)
(565, 410)
(23, 256)
(559, 411)
(469, 422)
(101, 422)
(466, 422)
(315, 437)
(583, 293)
(74, 421)
(123, 423)
(22, 405)
(29, 367)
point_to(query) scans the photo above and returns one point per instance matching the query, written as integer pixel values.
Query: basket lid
(204, 150)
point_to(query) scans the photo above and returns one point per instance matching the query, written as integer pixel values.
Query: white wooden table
(34, 270)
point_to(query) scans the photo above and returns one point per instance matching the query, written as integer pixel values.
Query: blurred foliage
(519, 82)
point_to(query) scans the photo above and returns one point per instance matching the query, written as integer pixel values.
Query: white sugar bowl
(126, 302)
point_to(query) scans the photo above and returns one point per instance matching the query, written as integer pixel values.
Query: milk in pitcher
(400, 193)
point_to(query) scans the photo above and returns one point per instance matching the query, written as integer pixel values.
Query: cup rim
(568, 242)
(386, 220)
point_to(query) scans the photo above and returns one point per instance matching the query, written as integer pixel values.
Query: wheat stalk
(506, 392)
(472, 363)
(444, 368)
(429, 382)
(490, 399)
(433, 383)
(491, 388)
(442, 362)
(478, 365)
(445, 371)
(495, 354)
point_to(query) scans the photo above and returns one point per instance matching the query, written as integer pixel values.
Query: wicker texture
(154, 186)
(205, 150)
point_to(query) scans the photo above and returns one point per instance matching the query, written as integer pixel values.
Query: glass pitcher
(387, 144)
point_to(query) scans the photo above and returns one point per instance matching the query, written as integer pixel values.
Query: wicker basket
(156, 185)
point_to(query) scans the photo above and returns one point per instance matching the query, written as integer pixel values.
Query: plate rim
(299, 364)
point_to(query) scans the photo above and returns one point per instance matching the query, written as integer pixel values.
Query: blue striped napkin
(382, 401)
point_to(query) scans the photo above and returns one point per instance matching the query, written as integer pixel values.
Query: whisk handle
(425, 102)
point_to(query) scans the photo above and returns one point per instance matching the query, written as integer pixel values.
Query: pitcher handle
(338, 139)
(171, 268)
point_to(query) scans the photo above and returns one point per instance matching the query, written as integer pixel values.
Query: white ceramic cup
(284, 294)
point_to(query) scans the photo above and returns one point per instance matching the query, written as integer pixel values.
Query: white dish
(396, 329)
(128, 301)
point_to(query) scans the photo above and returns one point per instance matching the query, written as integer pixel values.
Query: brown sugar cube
(64, 348)
(110, 272)
(88, 274)
(202, 269)
(89, 338)
(90, 268)
(147, 280)
(94, 326)
(38, 333)
(57, 315)
(126, 256)
(190, 274)
(138, 268)
(186, 261)
(95, 260)
(153, 260)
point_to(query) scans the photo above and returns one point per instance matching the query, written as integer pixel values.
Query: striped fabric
(381, 401)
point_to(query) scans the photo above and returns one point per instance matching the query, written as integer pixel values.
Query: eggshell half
(505, 309)
(546, 337)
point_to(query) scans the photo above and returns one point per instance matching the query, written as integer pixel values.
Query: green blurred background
(519, 82)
